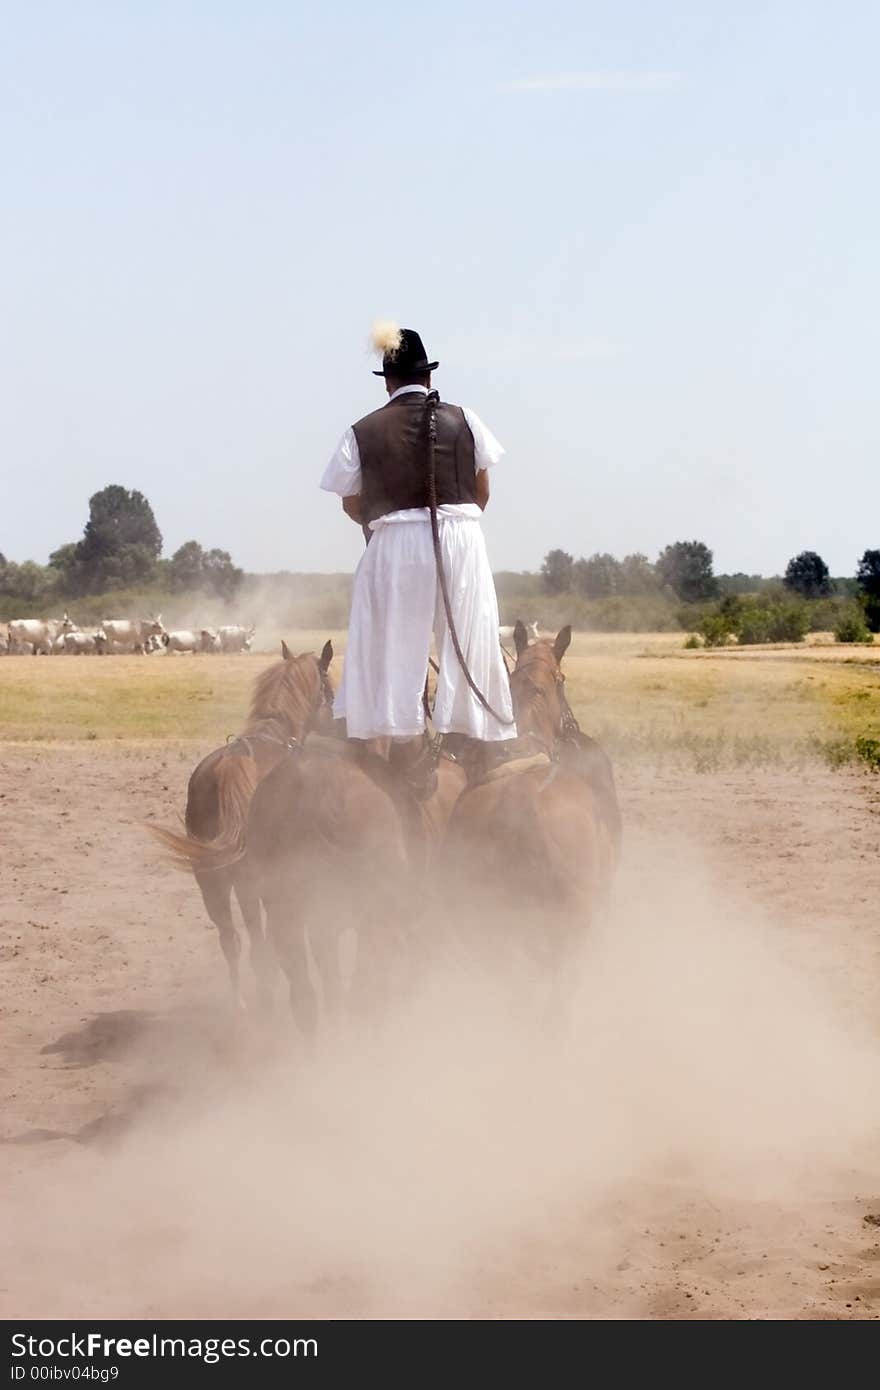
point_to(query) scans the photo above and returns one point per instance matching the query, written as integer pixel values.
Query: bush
(777, 622)
(851, 627)
(692, 643)
(871, 607)
(868, 749)
(790, 622)
(754, 626)
(826, 613)
(716, 629)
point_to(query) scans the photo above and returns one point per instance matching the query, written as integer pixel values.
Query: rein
(433, 399)
(247, 739)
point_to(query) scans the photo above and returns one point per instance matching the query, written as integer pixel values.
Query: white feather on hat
(386, 337)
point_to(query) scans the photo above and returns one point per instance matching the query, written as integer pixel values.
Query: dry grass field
(703, 1143)
(643, 695)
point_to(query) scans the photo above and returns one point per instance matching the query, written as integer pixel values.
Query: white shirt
(343, 473)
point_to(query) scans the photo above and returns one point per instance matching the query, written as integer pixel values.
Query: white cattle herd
(121, 636)
(114, 637)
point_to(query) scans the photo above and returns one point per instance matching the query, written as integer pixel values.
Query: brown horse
(334, 842)
(532, 848)
(290, 699)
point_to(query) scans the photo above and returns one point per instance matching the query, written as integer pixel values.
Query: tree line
(120, 548)
(680, 588)
(684, 571)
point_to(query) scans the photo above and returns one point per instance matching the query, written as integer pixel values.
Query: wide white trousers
(396, 608)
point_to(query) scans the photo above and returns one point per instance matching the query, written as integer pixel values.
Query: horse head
(296, 692)
(537, 684)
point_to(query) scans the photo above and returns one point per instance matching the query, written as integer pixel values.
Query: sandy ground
(702, 1143)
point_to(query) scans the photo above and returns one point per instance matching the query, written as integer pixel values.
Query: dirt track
(147, 1167)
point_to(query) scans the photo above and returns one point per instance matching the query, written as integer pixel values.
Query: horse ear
(563, 642)
(285, 651)
(520, 636)
(326, 655)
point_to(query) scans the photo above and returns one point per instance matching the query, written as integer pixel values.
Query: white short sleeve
(343, 473)
(487, 450)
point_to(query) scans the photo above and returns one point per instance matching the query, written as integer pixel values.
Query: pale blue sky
(642, 238)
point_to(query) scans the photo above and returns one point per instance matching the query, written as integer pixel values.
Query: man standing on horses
(383, 470)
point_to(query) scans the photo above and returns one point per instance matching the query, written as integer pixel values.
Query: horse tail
(236, 780)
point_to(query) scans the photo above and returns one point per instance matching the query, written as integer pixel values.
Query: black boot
(476, 757)
(457, 746)
(415, 765)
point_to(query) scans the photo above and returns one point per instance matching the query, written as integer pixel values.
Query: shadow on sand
(187, 1031)
(181, 1048)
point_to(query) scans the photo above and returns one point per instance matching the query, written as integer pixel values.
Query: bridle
(326, 696)
(568, 730)
(290, 741)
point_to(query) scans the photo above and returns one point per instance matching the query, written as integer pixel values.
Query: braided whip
(433, 400)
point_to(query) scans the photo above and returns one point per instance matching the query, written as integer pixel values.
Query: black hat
(409, 359)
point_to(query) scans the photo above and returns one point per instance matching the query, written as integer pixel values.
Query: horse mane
(285, 693)
(538, 653)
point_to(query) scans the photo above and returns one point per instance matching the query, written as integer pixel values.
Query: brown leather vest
(393, 447)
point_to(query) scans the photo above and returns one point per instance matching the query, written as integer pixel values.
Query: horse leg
(217, 896)
(367, 985)
(262, 964)
(383, 956)
(324, 943)
(289, 940)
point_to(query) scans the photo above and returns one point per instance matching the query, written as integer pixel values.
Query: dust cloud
(461, 1154)
(274, 605)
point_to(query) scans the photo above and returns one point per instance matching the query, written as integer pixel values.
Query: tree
(807, 575)
(221, 574)
(868, 573)
(868, 580)
(28, 582)
(740, 583)
(127, 566)
(686, 567)
(121, 542)
(195, 568)
(598, 577)
(637, 575)
(66, 566)
(556, 571)
(186, 566)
